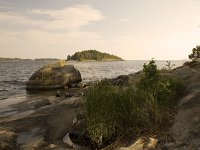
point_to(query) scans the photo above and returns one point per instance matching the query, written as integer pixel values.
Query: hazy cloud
(47, 30)
(48, 19)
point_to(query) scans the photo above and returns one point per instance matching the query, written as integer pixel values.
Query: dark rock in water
(53, 76)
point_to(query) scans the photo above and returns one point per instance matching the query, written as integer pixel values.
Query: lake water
(14, 74)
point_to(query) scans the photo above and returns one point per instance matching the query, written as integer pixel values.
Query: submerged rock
(53, 77)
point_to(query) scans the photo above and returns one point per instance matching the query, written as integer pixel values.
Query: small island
(93, 55)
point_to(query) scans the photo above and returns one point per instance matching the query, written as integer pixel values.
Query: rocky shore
(56, 121)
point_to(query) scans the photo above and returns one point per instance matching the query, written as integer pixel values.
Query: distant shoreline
(56, 59)
(20, 59)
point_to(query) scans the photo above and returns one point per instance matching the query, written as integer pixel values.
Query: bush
(146, 107)
(160, 93)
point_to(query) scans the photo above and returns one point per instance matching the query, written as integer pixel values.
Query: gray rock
(121, 80)
(168, 146)
(138, 145)
(37, 143)
(58, 94)
(42, 103)
(53, 77)
(186, 127)
(68, 141)
(60, 122)
(69, 94)
(73, 101)
(81, 85)
(142, 144)
(152, 142)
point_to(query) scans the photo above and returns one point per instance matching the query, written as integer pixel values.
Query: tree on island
(195, 56)
(92, 55)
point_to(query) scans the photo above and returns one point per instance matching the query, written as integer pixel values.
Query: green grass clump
(146, 106)
(108, 109)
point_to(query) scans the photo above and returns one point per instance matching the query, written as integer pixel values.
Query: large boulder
(53, 76)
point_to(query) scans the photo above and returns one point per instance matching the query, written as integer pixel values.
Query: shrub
(160, 93)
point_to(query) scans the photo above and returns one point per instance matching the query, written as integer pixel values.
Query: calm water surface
(14, 74)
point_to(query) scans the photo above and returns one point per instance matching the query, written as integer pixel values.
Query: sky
(131, 29)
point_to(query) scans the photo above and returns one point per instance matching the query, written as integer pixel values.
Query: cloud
(73, 17)
(47, 32)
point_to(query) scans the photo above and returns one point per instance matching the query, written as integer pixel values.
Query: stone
(168, 146)
(186, 126)
(73, 86)
(142, 144)
(53, 77)
(8, 139)
(69, 94)
(151, 143)
(138, 145)
(69, 142)
(58, 94)
(81, 85)
(121, 80)
(74, 101)
(60, 122)
(54, 147)
(42, 103)
(36, 143)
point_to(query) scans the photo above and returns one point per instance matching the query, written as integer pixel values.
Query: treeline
(92, 55)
